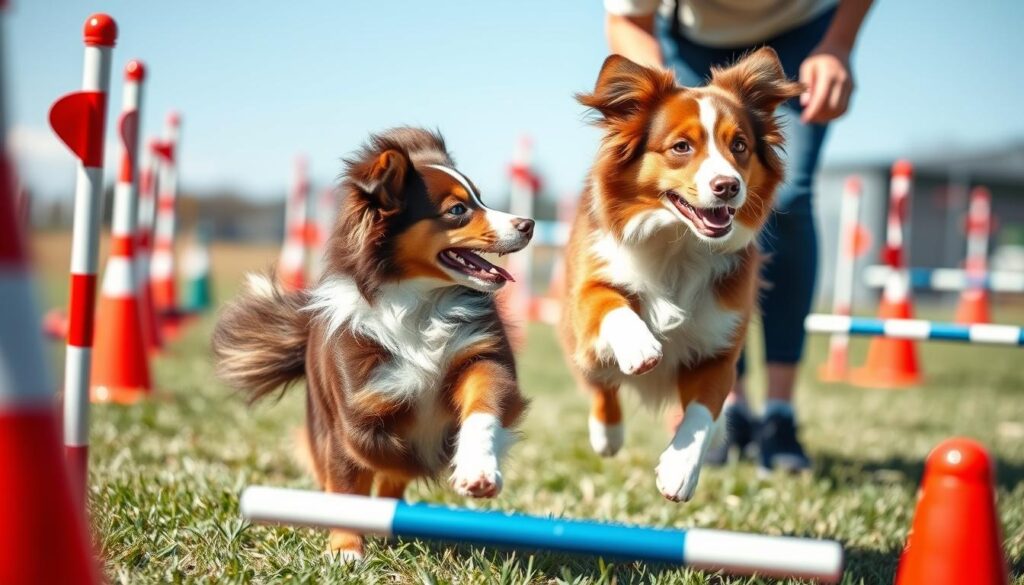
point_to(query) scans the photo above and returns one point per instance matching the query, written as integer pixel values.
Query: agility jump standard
(915, 329)
(699, 548)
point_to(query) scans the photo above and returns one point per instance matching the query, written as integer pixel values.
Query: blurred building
(938, 212)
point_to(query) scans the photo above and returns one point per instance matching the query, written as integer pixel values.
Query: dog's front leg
(488, 402)
(702, 392)
(616, 332)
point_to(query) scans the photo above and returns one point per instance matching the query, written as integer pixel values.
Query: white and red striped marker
(897, 289)
(42, 532)
(974, 302)
(524, 188)
(147, 211)
(120, 368)
(849, 247)
(326, 212)
(79, 119)
(162, 271)
(292, 265)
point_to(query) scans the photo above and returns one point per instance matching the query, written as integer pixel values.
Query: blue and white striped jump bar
(949, 279)
(733, 552)
(915, 329)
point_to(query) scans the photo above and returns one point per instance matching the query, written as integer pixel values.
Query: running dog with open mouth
(407, 362)
(662, 263)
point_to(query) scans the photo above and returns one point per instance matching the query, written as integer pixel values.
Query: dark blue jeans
(789, 239)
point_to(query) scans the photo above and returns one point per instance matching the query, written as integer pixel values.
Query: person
(814, 40)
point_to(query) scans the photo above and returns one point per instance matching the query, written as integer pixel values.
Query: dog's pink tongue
(504, 273)
(717, 217)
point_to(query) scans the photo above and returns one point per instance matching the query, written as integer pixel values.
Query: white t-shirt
(728, 23)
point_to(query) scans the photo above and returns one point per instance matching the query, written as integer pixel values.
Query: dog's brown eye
(739, 145)
(457, 209)
(681, 147)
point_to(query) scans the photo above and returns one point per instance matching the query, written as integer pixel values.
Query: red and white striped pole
(524, 188)
(326, 213)
(120, 368)
(835, 369)
(974, 300)
(893, 363)
(292, 266)
(162, 275)
(79, 119)
(42, 532)
(147, 210)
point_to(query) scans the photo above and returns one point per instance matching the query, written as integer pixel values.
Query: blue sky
(258, 83)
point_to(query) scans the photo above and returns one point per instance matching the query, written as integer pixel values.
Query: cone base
(43, 538)
(120, 359)
(973, 308)
(118, 395)
(869, 378)
(832, 373)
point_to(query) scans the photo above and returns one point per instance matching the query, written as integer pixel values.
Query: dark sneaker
(779, 446)
(739, 435)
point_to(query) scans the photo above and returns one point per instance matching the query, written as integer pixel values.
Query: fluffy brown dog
(662, 264)
(407, 363)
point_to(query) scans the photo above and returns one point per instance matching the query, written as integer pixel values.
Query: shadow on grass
(848, 470)
(861, 565)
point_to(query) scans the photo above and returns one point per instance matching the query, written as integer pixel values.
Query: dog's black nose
(524, 225)
(725, 188)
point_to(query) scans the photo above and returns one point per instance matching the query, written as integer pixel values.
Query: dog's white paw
(635, 349)
(679, 466)
(677, 474)
(605, 439)
(480, 480)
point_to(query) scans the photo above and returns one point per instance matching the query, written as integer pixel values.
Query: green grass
(166, 476)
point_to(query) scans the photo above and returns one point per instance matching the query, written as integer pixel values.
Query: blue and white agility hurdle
(915, 329)
(950, 279)
(733, 552)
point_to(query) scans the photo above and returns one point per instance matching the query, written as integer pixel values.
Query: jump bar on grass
(733, 552)
(949, 279)
(915, 329)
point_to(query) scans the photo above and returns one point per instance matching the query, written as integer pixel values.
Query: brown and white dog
(662, 263)
(407, 363)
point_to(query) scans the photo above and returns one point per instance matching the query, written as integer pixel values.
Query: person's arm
(826, 72)
(633, 38)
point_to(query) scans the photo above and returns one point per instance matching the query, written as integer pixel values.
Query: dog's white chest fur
(674, 278)
(422, 329)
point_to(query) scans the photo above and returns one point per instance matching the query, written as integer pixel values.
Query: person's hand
(829, 83)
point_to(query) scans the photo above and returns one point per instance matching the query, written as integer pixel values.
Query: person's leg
(791, 244)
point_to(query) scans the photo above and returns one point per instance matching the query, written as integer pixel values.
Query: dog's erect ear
(625, 92)
(625, 88)
(758, 81)
(381, 179)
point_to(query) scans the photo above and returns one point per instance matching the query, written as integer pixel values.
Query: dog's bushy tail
(259, 342)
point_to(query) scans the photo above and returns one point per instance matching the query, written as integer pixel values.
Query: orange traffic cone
(955, 538)
(292, 265)
(120, 360)
(891, 363)
(42, 535)
(973, 308)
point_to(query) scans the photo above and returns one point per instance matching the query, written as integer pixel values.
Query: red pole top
(174, 118)
(135, 70)
(100, 30)
(902, 168)
(853, 185)
(962, 458)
